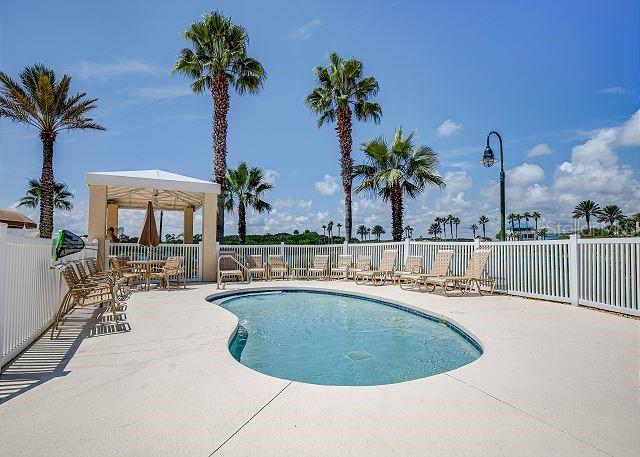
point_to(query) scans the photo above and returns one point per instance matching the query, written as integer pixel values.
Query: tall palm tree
(393, 171)
(377, 230)
(61, 195)
(434, 229)
(512, 218)
(408, 231)
(456, 222)
(219, 60)
(339, 225)
(543, 233)
(245, 187)
(474, 228)
(442, 221)
(586, 209)
(330, 231)
(483, 221)
(44, 103)
(526, 215)
(610, 214)
(341, 86)
(536, 215)
(449, 219)
(324, 233)
(368, 233)
(362, 231)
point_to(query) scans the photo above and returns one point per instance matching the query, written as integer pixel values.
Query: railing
(30, 290)
(601, 273)
(191, 254)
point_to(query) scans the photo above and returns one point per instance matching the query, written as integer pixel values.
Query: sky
(559, 81)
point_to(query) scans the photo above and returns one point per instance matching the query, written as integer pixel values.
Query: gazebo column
(97, 216)
(188, 225)
(112, 215)
(209, 247)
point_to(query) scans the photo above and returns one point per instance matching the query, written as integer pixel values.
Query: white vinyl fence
(190, 253)
(601, 273)
(30, 290)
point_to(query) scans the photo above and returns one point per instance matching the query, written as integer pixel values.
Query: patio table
(144, 266)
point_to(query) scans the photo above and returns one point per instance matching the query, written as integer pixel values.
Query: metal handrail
(242, 267)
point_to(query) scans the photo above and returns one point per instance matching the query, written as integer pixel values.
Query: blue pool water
(333, 339)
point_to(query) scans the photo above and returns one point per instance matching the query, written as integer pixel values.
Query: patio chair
(412, 265)
(256, 267)
(472, 277)
(277, 266)
(319, 267)
(84, 294)
(439, 268)
(229, 268)
(93, 275)
(385, 270)
(172, 268)
(342, 268)
(124, 271)
(363, 263)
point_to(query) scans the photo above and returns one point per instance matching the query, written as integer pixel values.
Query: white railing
(30, 290)
(191, 254)
(601, 273)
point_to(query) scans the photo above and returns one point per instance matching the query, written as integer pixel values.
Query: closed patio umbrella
(149, 236)
(15, 219)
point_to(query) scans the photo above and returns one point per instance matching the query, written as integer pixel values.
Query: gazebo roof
(167, 191)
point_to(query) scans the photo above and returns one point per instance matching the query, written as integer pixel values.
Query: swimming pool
(338, 339)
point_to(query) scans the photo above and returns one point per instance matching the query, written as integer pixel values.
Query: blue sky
(559, 80)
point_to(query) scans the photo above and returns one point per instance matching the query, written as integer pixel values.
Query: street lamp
(488, 159)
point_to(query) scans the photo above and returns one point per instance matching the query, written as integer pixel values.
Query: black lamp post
(488, 159)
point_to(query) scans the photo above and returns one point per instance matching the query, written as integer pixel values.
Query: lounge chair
(172, 268)
(472, 277)
(84, 294)
(277, 266)
(384, 271)
(228, 268)
(439, 267)
(363, 263)
(412, 265)
(319, 267)
(341, 270)
(256, 267)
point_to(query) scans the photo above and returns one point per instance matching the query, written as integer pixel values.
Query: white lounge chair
(385, 270)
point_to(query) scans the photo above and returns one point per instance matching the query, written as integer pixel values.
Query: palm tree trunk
(46, 185)
(343, 129)
(242, 222)
(396, 212)
(220, 94)
(484, 232)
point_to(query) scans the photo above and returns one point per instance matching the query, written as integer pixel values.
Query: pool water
(336, 339)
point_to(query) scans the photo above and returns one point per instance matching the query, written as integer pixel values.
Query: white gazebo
(111, 191)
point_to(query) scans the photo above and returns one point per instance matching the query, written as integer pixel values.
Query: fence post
(200, 253)
(476, 244)
(282, 249)
(407, 246)
(345, 246)
(3, 288)
(107, 253)
(574, 274)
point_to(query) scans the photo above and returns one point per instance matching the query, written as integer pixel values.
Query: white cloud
(271, 176)
(328, 186)
(524, 174)
(156, 93)
(630, 131)
(305, 32)
(539, 150)
(105, 70)
(614, 90)
(449, 127)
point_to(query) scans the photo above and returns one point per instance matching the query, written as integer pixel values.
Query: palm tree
(449, 220)
(586, 209)
(610, 214)
(456, 222)
(434, 229)
(247, 186)
(483, 220)
(519, 218)
(536, 215)
(526, 215)
(330, 231)
(511, 218)
(324, 232)
(377, 230)
(44, 103)
(395, 170)
(342, 86)
(408, 231)
(362, 231)
(543, 233)
(339, 225)
(473, 228)
(218, 60)
(61, 195)
(443, 221)
(368, 234)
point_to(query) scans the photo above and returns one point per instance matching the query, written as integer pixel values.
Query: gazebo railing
(191, 253)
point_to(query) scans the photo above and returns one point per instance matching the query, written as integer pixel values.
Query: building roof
(167, 191)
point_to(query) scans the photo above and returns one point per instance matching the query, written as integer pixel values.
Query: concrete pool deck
(554, 380)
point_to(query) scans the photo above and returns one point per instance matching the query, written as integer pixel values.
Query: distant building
(521, 231)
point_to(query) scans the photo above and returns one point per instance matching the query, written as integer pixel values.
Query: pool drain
(356, 356)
